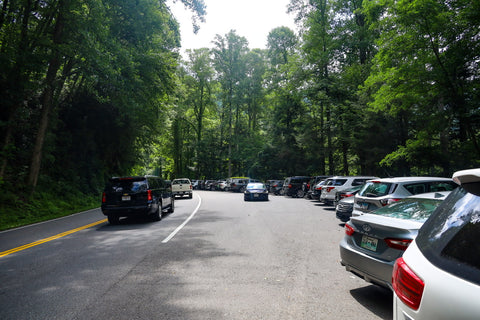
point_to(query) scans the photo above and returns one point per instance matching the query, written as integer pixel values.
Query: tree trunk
(47, 98)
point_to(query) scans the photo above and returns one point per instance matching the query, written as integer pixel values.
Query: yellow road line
(36, 243)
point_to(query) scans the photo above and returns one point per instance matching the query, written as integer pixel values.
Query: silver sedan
(373, 241)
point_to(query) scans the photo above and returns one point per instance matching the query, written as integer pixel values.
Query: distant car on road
(438, 276)
(373, 241)
(137, 196)
(182, 187)
(255, 191)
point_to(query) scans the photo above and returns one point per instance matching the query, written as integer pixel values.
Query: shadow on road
(376, 299)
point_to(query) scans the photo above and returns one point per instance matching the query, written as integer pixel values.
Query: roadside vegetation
(98, 88)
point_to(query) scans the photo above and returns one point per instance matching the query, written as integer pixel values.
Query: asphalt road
(215, 257)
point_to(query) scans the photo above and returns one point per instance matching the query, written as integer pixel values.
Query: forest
(97, 88)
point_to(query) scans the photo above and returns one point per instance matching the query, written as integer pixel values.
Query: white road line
(184, 223)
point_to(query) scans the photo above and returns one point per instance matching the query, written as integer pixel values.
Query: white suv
(378, 193)
(339, 183)
(438, 276)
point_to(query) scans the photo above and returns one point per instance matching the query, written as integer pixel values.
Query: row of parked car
(234, 184)
(416, 236)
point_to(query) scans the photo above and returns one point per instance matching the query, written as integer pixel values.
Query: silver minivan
(378, 193)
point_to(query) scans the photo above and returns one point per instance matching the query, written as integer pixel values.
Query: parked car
(317, 190)
(344, 201)
(340, 183)
(312, 184)
(209, 185)
(293, 186)
(275, 186)
(182, 187)
(373, 241)
(255, 191)
(137, 196)
(350, 192)
(240, 184)
(344, 208)
(196, 184)
(221, 185)
(381, 192)
(438, 276)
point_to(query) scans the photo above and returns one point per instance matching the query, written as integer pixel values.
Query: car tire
(171, 208)
(157, 216)
(300, 193)
(190, 196)
(112, 219)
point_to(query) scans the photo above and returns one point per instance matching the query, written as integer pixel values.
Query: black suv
(294, 186)
(137, 196)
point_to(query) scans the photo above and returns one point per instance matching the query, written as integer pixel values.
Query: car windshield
(375, 189)
(416, 209)
(252, 186)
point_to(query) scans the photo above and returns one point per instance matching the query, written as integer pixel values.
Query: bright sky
(252, 19)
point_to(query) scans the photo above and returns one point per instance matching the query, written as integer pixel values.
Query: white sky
(252, 19)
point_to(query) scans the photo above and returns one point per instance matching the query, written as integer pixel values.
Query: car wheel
(172, 206)
(112, 219)
(242, 189)
(300, 193)
(157, 216)
(190, 196)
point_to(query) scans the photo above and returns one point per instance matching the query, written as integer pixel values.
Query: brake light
(191, 187)
(407, 285)
(400, 244)
(347, 195)
(289, 186)
(330, 189)
(349, 231)
(319, 188)
(149, 195)
(104, 197)
(386, 202)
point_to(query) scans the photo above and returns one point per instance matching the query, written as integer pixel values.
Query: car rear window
(449, 239)
(182, 181)
(127, 185)
(409, 209)
(375, 189)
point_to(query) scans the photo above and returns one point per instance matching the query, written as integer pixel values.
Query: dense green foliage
(95, 88)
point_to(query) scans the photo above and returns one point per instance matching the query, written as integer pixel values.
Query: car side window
(442, 186)
(449, 238)
(358, 182)
(416, 188)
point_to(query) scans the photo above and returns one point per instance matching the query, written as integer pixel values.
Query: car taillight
(400, 244)
(330, 189)
(318, 188)
(347, 195)
(386, 202)
(149, 195)
(407, 285)
(289, 186)
(191, 187)
(349, 231)
(104, 197)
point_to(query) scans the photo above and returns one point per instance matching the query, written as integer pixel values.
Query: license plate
(369, 243)
(255, 195)
(126, 198)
